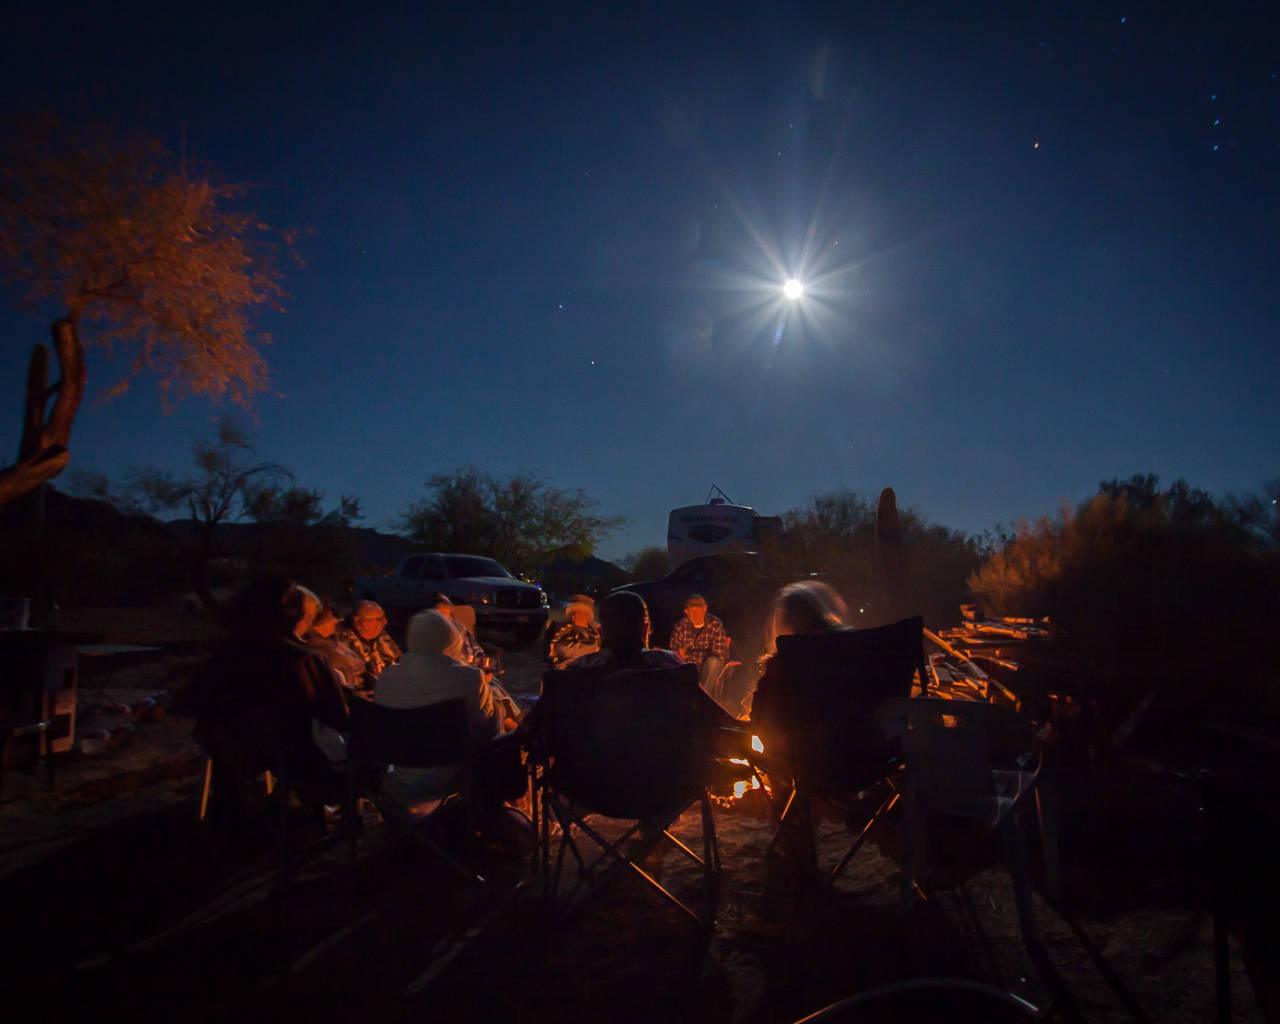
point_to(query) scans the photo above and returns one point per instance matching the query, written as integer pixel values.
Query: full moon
(793, 289)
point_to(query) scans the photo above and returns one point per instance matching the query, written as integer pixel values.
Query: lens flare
(793, 289)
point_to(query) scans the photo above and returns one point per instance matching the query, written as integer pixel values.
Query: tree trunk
(43, 454)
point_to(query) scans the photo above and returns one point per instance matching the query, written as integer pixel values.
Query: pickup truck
(738, 592)
(507, 609)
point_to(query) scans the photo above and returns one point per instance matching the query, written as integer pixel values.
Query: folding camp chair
(622, 745)
(973, 760)
(435, 736)
(815, 713)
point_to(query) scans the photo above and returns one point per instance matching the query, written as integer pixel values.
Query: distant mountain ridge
(374, 550)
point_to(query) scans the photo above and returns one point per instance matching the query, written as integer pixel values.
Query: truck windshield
(462, 566)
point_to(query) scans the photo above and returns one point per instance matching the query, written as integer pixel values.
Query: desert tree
(272, 503)
(133, 250)
(225, 485)
(521, 520)
(647, 564)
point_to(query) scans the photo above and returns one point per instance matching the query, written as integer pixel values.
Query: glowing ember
(756, 745)
(740, 788)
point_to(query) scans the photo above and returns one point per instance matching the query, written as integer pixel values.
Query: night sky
(1039, 247)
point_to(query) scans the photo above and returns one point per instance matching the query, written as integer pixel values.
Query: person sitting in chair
(472, 651)
(265, 701)
(625, 629)
(368, 637)
(322, 638)
(804, 608)
(700, 638)
(624, 638)
(577, 637)
(432, 672)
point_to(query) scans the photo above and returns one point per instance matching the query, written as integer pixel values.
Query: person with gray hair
(368, 637)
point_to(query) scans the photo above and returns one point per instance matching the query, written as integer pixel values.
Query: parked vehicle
(508, 610)
(716, 527)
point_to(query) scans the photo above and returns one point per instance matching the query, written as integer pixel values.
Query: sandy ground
(126, 905)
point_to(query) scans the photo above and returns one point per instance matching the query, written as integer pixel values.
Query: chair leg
(882, 810)
(1048, 817)
(914, 841)
(204, 792)
(710, 860)
(352, 815)
(1016, 848)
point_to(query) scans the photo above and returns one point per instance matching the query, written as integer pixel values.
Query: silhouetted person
(265, 702)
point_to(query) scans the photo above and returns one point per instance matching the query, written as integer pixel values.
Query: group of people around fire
(278, 692)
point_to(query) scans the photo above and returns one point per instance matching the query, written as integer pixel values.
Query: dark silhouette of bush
(1153, 590)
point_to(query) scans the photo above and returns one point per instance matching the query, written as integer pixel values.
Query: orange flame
(756, 745)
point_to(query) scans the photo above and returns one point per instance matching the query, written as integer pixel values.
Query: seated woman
(431, 672)
(800, 609)
(579, 636)
(368, 637)
(322, 638)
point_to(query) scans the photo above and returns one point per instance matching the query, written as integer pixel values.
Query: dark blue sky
(555, 240)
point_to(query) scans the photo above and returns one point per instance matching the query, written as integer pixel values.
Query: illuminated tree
(132, 249)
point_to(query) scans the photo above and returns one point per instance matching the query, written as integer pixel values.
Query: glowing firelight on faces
(793, 289)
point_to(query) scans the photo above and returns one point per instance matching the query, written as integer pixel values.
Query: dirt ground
(119, 903)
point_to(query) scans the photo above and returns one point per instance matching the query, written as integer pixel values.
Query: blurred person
(473, 652)
(368, 637)
(804, 608)
(265, 701)
(700, 638)
(579, 635)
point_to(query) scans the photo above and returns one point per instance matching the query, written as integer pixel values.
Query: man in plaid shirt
(700, 638)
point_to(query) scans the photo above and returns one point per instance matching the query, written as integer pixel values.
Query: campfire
(744, 786)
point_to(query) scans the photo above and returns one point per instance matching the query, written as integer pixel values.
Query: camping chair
(951, 749)
(819, 731)
(622, 745)
(435, 736)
